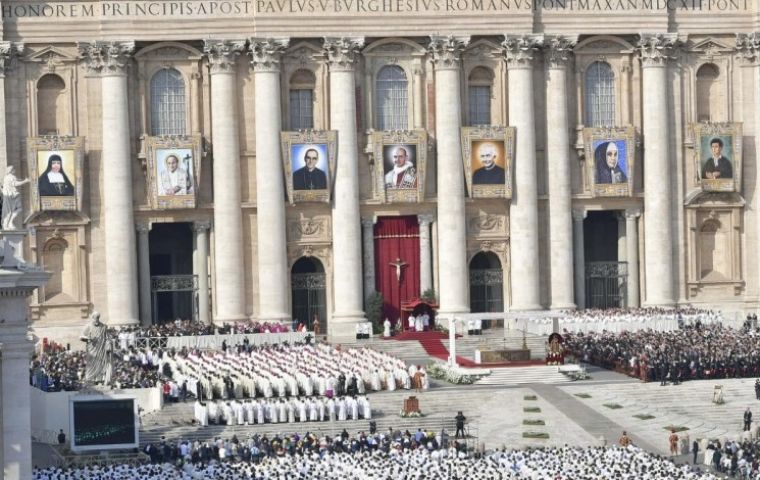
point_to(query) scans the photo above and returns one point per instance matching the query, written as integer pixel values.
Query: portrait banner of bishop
(610, 157)
(56, 167)
(718, 156)
(308, 159)
(487, 155)
(173, 171)
(400, 164)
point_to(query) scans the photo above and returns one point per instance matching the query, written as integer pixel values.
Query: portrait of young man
(717, 166)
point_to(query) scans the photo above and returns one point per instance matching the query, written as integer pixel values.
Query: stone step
(523, 375)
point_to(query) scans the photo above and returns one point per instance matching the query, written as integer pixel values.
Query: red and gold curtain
(397, 238)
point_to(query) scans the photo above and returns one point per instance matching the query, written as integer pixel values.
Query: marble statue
(98, 351)
(11, 211)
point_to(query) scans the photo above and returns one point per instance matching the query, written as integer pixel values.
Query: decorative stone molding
(446, 51)
(657, 48)
(579, 215)
(308, 227)
(369, 222)
(143, 227)
(322, 252)
(341, 53)
(486, 224)
(267, 53)
(221, 54)
(558, 50)
(201, 226)
(9, 53)
(748, 47)
(425, 219)
(518, 50)
(106, 58)
(632, 213)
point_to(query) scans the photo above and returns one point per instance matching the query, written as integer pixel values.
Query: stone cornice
(519, 50)
(266, 53)
(748, 46)
(9, 53)
(222, 54)
(106, 58)
(558, 50)
(341, 52)
(657, 48)
(446, 51)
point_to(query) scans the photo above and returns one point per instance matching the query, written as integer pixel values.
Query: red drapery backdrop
(397, 238)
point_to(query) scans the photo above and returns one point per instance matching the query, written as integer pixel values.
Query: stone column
(368, 239)
(658, 165)
(426, 253)
(201, 269)
(579, 258)
(748, 46)
(341, 55)
(228, 217)
(557, 55)
(523, 211)
(143, 267)
(9, 51)
(452, 261)
(16, 286)
(110, 61)
(632, 255)
(274, 274)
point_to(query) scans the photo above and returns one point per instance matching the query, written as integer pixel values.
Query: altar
(486, 355)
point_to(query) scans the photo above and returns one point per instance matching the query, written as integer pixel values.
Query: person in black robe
(54, 182)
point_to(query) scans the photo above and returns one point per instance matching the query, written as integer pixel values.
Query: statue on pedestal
(98, 351)
(11, 211)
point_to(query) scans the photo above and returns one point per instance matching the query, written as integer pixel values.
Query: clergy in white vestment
(282, 409)
(260, 416)
(341, 406)
(374, 381)
(426, 321)
(250, 413)
(273, 412)
(321, 407)
(390, 381)
(411, 322)
(291, 412)
(332, 414)
(366, 408)
(354, 408)
(302, 411)
(386, 328)
(239, 412)
(213, 411)
(313, 412)
(418, 326)
(201, 414)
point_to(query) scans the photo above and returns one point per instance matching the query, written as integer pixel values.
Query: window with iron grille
(301, 109)
(600, 95)
(392, 98)
(167, 103)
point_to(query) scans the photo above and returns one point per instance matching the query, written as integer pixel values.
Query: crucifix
(399, 264)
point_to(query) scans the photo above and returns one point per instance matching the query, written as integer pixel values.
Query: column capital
(748, 47)
(655, 49)
(425, 219)
(447, 50)
(632, 213)
(106, 58)
(519, 50)
(579, 214)
(558, 49)
(342, 52)
(266, 53)
(143, 228)
(221, 54)
(201, 226)
(369, 222)
(9, 53)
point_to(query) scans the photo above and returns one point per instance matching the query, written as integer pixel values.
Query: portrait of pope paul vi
(399, 167)
(175, 174)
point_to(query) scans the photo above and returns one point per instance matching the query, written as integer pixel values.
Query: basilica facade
(252, 160)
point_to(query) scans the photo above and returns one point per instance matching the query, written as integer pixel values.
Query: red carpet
(431, 342)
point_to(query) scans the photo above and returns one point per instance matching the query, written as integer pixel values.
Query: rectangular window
(480, 105)
(301, 109)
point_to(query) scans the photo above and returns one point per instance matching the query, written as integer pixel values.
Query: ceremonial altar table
(499, 356)
(215, 341)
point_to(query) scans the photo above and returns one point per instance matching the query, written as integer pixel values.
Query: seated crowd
(298, 409)
(734, 458)
(377, 456)
(693, 352)
(188, 328)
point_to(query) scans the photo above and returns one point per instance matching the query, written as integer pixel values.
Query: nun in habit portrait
(53, 182)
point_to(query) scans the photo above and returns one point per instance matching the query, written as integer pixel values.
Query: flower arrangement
(455, 375)
(416, 414)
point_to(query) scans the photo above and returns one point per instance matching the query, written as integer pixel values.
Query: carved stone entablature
(519, 50)
(748, 46)
(488, 225)
(342, 53)
(266, 53)
(446, 51)
(319, 251)
(311, 229)
(106, 58)
(699, 198)
(558, 50)
(222, 54)
(657, 48)
(500, 247)
(709, 48)
(51, 58)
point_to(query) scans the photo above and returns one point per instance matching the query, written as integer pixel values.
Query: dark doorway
(307, 283)
(606, 275)
(173, 285)
(486, 283)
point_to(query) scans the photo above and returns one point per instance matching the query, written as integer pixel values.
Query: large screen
(103, 424)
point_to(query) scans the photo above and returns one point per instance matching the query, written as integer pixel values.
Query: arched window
(600, 95)
(480, 84)
(392, 98)
(709, 98)
(51, 106)
(486, 283)
(167, 103)
(302, 85)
